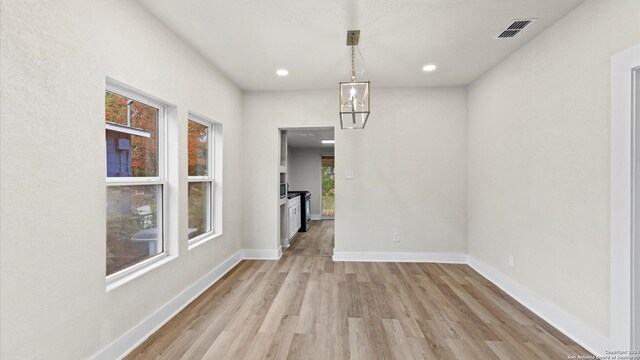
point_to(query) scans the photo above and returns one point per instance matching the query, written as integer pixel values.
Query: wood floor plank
(309, 309)
(207, 337)
(279, 348)
(401, 346)
(260, 346)
(220, 346)
(367, 339)
(306, 306)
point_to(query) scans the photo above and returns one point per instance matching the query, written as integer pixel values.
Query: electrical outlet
(349, 175)
(396, 237)
(511, 260)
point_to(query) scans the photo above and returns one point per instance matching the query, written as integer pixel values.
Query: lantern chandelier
(354, 95)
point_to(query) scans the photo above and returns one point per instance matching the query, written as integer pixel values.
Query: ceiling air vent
(514, 28)
(508, 34)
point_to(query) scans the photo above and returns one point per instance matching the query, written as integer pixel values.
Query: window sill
(195, 242)
(115, 283)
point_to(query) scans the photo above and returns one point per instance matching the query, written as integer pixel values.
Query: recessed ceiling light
(429, 67)
(328, 141)
(282, 72)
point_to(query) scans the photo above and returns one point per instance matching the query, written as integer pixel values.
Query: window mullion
(135, 183)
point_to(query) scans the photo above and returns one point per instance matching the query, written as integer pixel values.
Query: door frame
(623, 225)
(334, 188)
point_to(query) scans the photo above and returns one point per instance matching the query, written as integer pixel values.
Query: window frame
(159, 180)
(210, 178)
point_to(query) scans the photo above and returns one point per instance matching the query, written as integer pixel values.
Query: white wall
(539, 159)
(55, 57)
(410, 168)
(304, 173)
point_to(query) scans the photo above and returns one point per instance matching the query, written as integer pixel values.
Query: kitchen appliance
(305, 211)
(283, 190)
(294, 221)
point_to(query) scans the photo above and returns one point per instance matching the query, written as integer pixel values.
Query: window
(201, 179)
(134, 133)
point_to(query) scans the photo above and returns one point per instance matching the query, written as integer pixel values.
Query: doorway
(328, 187)
(625, 200)
(304, 228)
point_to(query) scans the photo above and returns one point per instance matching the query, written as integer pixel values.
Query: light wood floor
(305, 306)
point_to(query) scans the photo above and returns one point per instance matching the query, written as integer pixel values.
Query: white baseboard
(455, 258)
(566, 323)
(134, 337)
(262, 254)
(316, 216)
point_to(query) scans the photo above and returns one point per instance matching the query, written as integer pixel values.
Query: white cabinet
(295, 221)
(297, 215)
(292, 221)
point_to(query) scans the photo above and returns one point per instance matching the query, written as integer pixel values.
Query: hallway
(305, 306)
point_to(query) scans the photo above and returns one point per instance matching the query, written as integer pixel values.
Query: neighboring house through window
(134, 133)
(202, 179)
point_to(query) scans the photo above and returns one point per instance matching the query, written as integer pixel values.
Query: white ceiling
(249, 39)
(310, 138)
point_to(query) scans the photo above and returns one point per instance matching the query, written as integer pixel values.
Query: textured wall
(539, 159)
(410, 168)
(55, 57)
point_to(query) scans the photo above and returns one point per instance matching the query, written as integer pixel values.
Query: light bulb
(353, 91)
(429, 67)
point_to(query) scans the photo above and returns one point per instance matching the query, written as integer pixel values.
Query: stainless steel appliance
(305, 213)
(283, 190)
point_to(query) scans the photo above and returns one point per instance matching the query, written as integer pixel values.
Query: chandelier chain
(353, 63)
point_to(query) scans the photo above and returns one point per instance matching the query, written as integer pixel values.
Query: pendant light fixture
(354, 95)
